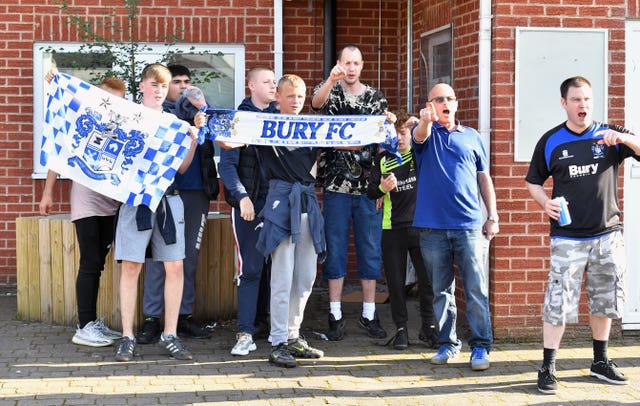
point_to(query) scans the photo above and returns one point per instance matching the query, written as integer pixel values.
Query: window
(541, 69)
(436, 61)
(222, 65)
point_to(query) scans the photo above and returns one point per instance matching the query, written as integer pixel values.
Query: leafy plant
(111, 48)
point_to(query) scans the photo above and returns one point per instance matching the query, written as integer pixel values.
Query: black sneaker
(401, 339)
(428, 336)
(373, 327)
(126, 349)
(336, 328)
(608, 371)
(547, 382)
(150, 331)
(281, 356)
(188, 327)
(175, 347)
(300, 349)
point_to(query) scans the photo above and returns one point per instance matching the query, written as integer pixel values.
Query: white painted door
(631, 317)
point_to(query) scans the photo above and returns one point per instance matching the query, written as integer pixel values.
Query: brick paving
(40, 366)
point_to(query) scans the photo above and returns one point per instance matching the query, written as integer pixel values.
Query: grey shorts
(604, 263)
(131, 244)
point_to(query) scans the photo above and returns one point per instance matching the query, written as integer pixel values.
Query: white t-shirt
(87, 203)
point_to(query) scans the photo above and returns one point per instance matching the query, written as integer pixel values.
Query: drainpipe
(277, 38)
(329, 39)
(484, 92)
(409, 106)
(484, 74)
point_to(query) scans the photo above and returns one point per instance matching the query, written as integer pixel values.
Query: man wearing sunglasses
(453, 175)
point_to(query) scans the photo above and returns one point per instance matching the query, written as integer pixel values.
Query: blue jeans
(469, 247)
(340, 209)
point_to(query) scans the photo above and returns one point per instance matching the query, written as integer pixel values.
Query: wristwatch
(494, 219)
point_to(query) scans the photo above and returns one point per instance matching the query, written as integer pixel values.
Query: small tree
(107, 42)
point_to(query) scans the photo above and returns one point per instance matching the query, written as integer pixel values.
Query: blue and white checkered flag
(120, 149)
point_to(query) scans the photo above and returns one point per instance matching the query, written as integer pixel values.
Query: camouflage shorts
(603, 259)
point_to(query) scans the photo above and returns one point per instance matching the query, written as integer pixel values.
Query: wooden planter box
(47, 265)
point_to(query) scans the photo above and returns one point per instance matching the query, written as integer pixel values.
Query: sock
(549, 361)
(336, 309)
(368, 310)
(600, 350)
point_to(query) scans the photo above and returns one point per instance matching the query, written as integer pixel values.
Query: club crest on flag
(103, 145)
(120, 149)
(221, 123)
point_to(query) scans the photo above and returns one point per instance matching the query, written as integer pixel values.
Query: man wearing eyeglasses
(453, 175)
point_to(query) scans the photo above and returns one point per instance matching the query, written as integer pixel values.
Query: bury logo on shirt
(576, 171)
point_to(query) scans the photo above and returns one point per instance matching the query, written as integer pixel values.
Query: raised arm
(422, 131)
(322, 94)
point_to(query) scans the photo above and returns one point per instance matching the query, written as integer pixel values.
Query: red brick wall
(521, 254)
(357, 22)
(248, 22)
(463, 15)
(519, 258)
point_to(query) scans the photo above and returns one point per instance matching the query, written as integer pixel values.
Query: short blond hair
(290, 79)
(156, 71)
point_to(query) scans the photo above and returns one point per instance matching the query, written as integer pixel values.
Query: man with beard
(343, 175)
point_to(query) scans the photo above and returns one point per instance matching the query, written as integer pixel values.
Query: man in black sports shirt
(583, 158)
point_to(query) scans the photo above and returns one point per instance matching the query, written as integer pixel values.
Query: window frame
(42, 63)
(432, 38)
(539, 71)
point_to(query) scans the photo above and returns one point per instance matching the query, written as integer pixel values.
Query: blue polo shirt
(448, 164)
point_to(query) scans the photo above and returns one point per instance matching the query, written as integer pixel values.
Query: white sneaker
(106, 331)
(91, 336)
(244, 345)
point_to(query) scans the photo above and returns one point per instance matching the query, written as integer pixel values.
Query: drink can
(565, 217)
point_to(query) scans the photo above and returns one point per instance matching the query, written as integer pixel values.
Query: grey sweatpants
(293, 272)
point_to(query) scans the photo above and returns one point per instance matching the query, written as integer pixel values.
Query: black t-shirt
(399, 205)
(289, 164)
(585, 173)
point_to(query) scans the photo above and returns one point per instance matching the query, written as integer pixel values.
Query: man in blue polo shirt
(453, 175)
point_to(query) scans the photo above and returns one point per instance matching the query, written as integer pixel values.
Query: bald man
(453, 175)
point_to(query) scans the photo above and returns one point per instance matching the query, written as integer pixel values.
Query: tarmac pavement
(40, 366)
